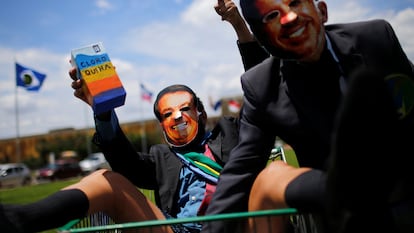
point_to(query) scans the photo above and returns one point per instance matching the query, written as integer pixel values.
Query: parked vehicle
(14, 174)
(61, 169)
(93, 162)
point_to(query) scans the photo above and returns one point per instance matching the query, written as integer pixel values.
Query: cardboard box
(101, 82)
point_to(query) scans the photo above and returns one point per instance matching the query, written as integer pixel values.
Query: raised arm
(229, 12)
(251, 52)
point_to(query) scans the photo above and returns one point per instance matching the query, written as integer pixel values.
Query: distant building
(27, 144)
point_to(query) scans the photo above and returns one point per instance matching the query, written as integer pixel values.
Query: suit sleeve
(247, 159)
(252, 54)
(137, 167)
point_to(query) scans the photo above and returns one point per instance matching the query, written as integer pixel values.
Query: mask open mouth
(182, 131)
(180, 126)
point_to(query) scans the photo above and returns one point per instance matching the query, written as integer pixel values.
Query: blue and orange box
(103, 85)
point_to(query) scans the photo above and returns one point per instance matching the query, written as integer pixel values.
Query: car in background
(14, 174)
(60, 169)
(93, 162)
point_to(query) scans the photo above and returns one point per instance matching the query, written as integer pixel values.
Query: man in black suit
(295, 94)
(181, 188)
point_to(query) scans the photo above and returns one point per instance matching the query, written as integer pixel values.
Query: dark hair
(251, 13)
(174, 88)
(254, 19)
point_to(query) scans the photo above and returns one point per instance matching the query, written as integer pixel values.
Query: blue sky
(156, 42)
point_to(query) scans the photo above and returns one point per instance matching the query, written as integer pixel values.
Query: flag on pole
(234, 106)
(214, 105)
(28, 78)
(145, 93)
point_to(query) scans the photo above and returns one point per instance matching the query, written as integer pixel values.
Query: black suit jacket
(159, 169)
(291, 109)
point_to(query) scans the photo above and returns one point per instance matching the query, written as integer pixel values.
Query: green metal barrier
(74, 226)
(101, 223)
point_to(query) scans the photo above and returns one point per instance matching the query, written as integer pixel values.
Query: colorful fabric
(202, 165)
(210, 189)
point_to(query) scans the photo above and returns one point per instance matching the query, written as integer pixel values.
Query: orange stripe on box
(105, 84)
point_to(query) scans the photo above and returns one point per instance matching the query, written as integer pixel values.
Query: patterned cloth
(202, 164)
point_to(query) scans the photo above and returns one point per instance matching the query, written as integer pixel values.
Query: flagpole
(25, 78)
(87, 141)
(143, 136)
(17, 124)
(143, 131)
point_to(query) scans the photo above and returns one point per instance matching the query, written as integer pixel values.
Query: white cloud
(403, 26)
(103, 5)
(346, 11)
(195, 48)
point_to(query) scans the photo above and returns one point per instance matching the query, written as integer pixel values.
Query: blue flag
(28, 78)
(217, 105)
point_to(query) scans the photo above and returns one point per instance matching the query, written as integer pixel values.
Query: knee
(98, 174)
(262, 187)
(268, 190)
(101, 171)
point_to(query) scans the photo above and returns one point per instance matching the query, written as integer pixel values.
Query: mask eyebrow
(186, 108)
(271, 15)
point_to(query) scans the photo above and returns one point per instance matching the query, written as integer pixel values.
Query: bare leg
(268, 192)
(113, 194)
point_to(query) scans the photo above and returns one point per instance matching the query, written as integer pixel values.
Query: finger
(77, 84)
(231, 12)
(217, 9)
(72, 73)
(79, 93)
(219, 6)
(229, 4)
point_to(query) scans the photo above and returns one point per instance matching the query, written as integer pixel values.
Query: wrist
(243, 32)
(106, 116)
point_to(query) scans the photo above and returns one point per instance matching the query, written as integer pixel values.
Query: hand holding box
(101, 82)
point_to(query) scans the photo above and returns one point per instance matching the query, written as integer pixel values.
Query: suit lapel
(314, 90)
(349, 57)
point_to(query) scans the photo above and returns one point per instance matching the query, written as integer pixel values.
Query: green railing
(79, 226)
(99, 222)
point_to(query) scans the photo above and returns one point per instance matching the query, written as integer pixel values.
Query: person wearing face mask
(301, 94)
(182, 188)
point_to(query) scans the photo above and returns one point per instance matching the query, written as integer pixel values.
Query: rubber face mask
(179, 118)
(288, 29)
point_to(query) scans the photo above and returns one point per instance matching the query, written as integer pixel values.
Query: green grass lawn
(291, 157)
(28, 194)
